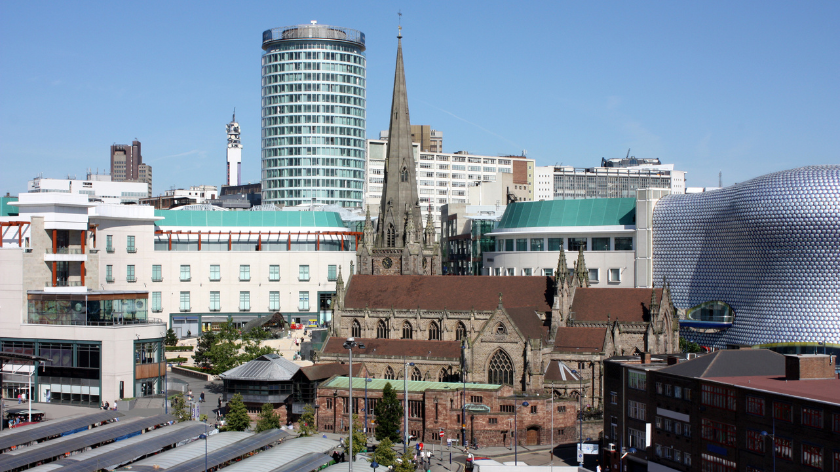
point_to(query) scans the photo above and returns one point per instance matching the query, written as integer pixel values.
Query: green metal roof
(294, 219)
(6, 209)
(586, 212)
(413, 385)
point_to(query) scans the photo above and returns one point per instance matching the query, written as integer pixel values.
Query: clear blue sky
(743, 87)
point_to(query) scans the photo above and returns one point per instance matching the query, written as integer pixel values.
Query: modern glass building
(313, 115)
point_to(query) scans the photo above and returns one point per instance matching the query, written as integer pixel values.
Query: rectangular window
(157, 273)
(719, 397)
(508, 245)
(669, 390)
(303, 273)
(185, 301)
(510, 271)
(506, 408)
(720, 433)
(185, 273)
(554, 244)
(244, 301)
(332, 274)
(548, 272)
(835, 425)
(576, 243)
(157, 305)
(109, 273)
(109, 243)
(677, 428)
(668, 425)
(522, 244)
(215, 273)
(615, 275)
(492, 421)
(614, 398)
(812, 456)
(303, 301)
(537, 244)
(784, 448)
(637, 438)
(594, 275)
(129, 273)
(600, 244)
(658, 422)
(415, 408)
(623, 244)
(755, 441)
(755, 405)
(273, 301)
(527, 272)
(215, 301)
(244, 273)
(677, 391)
(636, 410)
(637, 380)
(273, 273)
(533, 408)
(129, 246)
(782, 411)
(812, 417)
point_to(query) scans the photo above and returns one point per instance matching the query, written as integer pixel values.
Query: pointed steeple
(581, 274)
(654, 306)
(562, 269)
(369, 234)
(430, 229)
(410, 230)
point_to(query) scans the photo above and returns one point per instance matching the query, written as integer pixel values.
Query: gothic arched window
(461, 331)
(389, 373)
(446, 375)
(391, 236)
(404, 175)
(356, 329)
(416, 375)
(500, 369)
(434, 331)
(382, 330)
(407, 331)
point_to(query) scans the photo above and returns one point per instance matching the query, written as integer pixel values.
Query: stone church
(535, 333)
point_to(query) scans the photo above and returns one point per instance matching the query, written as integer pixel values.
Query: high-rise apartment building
(234, 153)
(127, 165)
(313, 115)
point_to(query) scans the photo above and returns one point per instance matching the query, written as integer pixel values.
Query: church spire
(581, 273)
(562, 269)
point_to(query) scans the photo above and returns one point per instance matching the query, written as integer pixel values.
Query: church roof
(459, 293)
(528, 322)
(579, 339)
(397, 347)
(621, 304)
(557, 371)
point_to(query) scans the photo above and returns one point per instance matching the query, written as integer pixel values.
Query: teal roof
(6, 209)
(413, 385)
(587, 212)
(294, 219)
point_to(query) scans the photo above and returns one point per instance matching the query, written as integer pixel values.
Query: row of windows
(614, 274)
(673, 391)
(328, 119)
(312, 151)
(315, 129)
(335, 183)
(129, 243)
(314, 161)
(216, 302)
(325, 66)
(812, 454)
(312, 140)
(573, 244)
(811, 417)
(272, 56)
(472, 160)
(309, 171)
(309, 108)
(673, 426)
(668, 452)
(408, 330)
(185, 273)
(719, 397)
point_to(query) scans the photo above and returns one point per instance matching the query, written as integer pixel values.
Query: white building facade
(100, 187)
(615, 182)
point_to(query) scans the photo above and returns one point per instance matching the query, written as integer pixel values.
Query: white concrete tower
(234, 153)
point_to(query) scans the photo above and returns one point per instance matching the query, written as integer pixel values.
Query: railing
(131, 250)
(158, 279)
(157, 310)
(184, 310)
(244, 309)
(109, 249)
(273, 279)
(65, 250)
(64, 283)
(186, 279)
(113, 322)
(216, 279)
(215, 309)
(131, 279)
(315, 31)
(244, 280)
(109, 280)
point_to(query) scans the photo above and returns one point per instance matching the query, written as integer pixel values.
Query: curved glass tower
(313, 115)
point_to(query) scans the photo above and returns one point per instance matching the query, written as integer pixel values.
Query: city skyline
(707, 88)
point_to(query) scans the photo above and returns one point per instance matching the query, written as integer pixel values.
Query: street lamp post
(516, 433)
(631, 450)
(349, 345)
(204, 437)
(367, 380)
(551, 463)
(464, 394)
(773, 436)
(580, 415)
(405, 404)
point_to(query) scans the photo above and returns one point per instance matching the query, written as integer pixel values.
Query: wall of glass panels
(85, 310)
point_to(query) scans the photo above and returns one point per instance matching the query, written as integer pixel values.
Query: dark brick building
(734, 410)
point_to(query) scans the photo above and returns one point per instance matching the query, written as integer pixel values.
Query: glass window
(331, 273)
(157, 273)
(497, 271)
(576, 243)
(637, 380)
(273, 301)
(527, 272)
(130, 244)
(600, 244)
(537, 244)
(215, 273)
(109, 243)
(812, 417)
(500, 245)
(615, 275)
(244, 273)
(594, 275)
(303, 273)
(303, 301)
(522, 244)
(129, 273)
(755, 405)
(157, 305)
(109, 273)
(244, 301)
(719, 397)
(554, 244)
(812, 456)
(274, 273)
(185, 273)
(623, 244)
(508, 245)
(185, 301)
(215, 301)
(510, 271)
(548, 272)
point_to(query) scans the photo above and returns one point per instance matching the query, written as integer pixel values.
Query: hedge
(180, 348)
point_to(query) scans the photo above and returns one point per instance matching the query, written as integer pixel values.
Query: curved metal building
(768, 249)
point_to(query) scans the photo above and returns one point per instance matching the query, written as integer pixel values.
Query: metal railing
(65, 250)
(112, 322)
(158, 279)
(109, 280)
(109, 249)
(314, 31)
(64, 283)
(130, 278)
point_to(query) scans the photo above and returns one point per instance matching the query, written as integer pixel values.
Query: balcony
(109, 250)
(109, 279)
(65, 250)
(65, 254)
(157, 279)
(131, 250)
(64, 283)
(185, 309)
(274, 279)
(185, 279)
(217, 308)
(157, 310)
(245, 279)
(215, 279)
(131, 279)
(244, 308)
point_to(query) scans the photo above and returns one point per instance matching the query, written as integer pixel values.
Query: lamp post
(773, 436)
(349, 345)
(580, 413)
(516, 433)
(551, 463)
(367, 381)
(204, 437)
(631, 450)
(405, 404)
(464, 394)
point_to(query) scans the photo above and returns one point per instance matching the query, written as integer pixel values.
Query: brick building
(734, 410)
(438, 406)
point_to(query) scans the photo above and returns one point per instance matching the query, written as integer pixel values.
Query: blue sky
(743, 87)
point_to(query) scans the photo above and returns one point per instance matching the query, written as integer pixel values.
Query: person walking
(201, 398)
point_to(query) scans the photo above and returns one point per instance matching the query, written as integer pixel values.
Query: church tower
(397, 246)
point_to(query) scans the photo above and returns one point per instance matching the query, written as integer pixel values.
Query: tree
(268, 419)
(359, 439)
(688, 346)
(307, 421)
(384, 454)
(179, 409)
(252, 345)
(171, 338)
(406, 465)
(201, 354)
(389, 412)
(237, 418)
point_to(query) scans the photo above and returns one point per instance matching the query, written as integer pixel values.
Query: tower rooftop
(313, 31)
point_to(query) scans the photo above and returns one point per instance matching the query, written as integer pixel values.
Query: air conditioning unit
(611, 447)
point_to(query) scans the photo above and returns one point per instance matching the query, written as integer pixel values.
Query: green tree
(307, 421)
(268, 419)
(178, 407)
(171, 338)
(201, 354)
(384, 453)
(237, 418)
(688, 346)
(359, 439)
(389, 412)
(252, 345)
(406, 465)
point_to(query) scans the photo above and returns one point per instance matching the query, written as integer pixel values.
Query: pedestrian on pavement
(19, 399)
(201, 398)
(220, 402)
